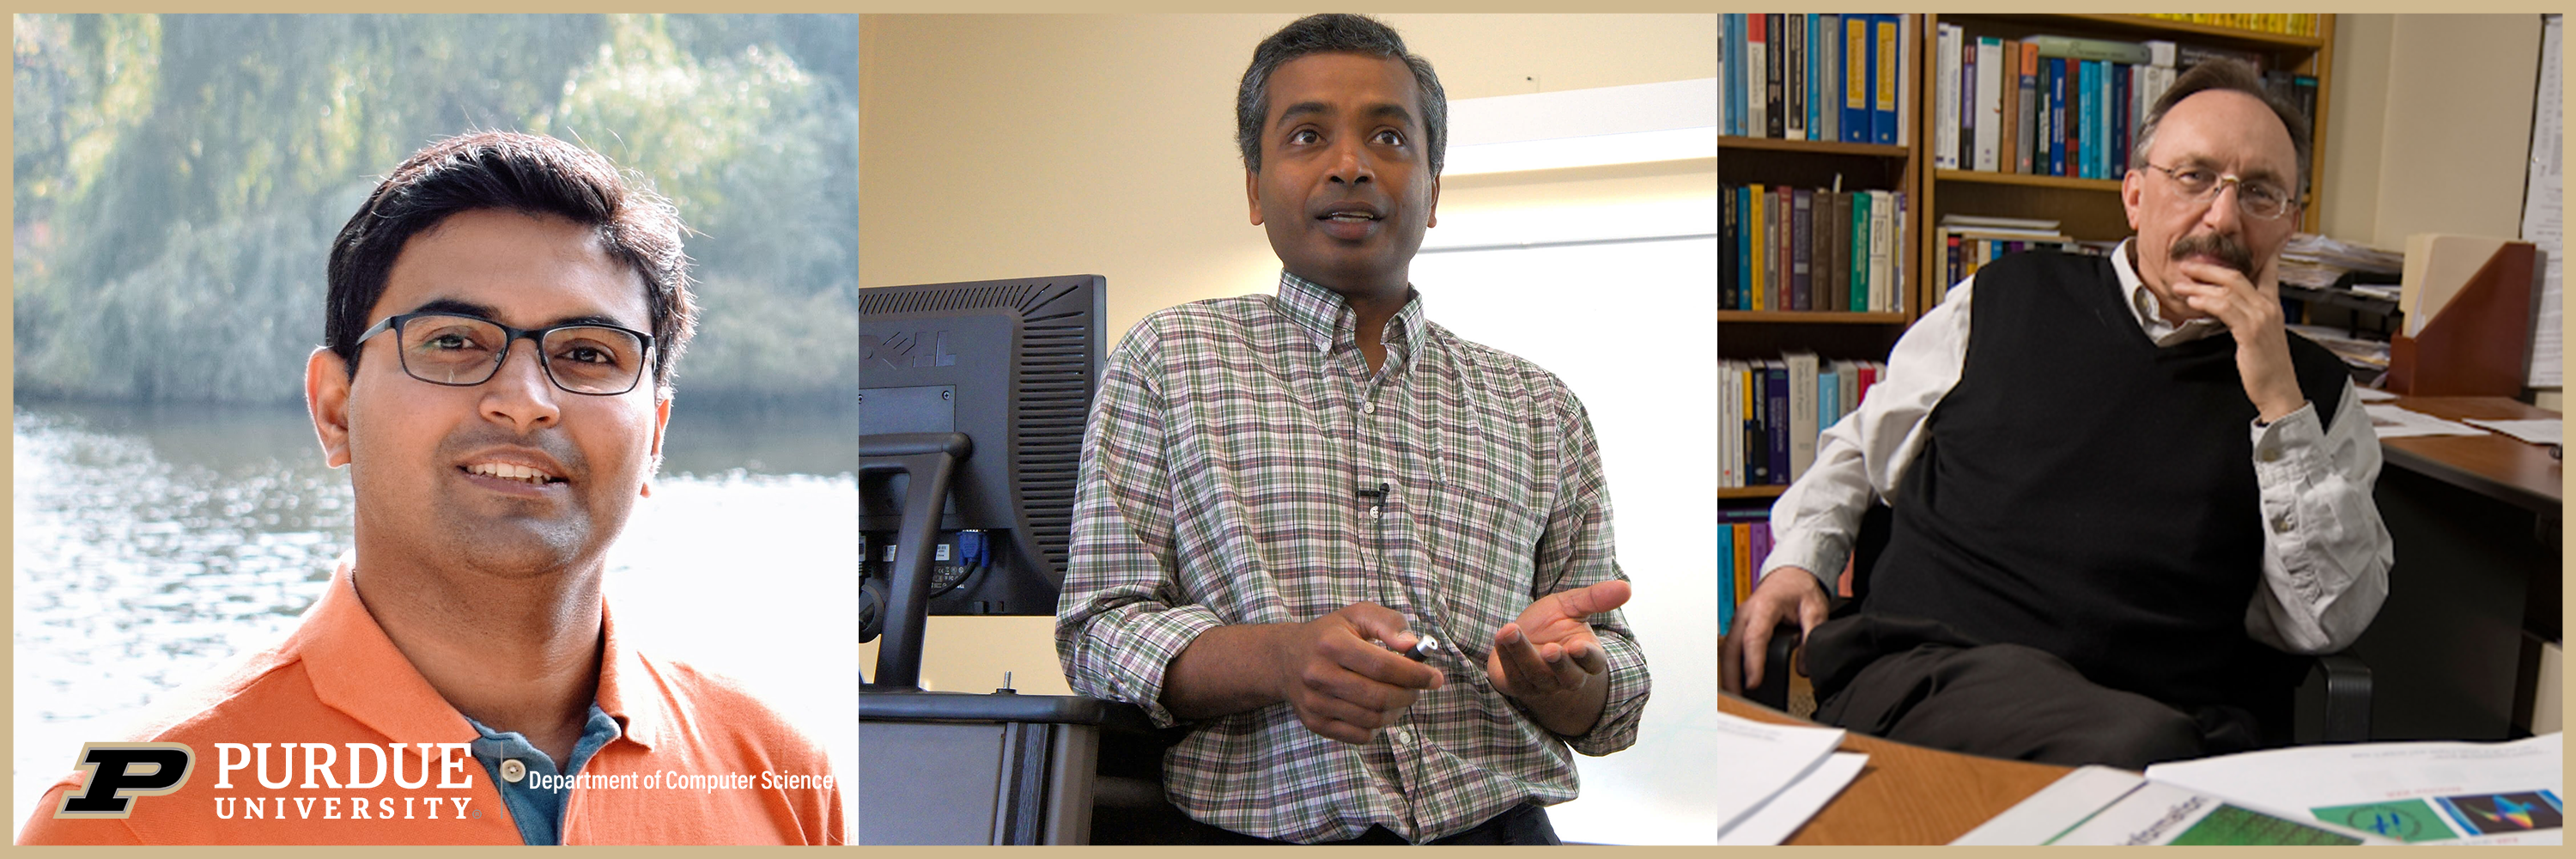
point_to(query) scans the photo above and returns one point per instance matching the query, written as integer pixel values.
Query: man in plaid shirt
(1370, 562)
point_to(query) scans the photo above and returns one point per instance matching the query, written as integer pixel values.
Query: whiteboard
(1630, 326)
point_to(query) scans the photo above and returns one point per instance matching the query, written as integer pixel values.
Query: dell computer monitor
(1011, 365)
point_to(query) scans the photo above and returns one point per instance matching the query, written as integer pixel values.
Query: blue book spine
(2091, 104)
(1817, 77)
(1886, 74)
(2119, 120)
(1735, 60)
(1725, 578)
(2102, 119)
(1776, 390)
(1859, 88)
(2057, 116)
(1829, 398)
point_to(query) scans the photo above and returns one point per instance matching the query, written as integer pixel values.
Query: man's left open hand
(1549, 659)
(2253, 314)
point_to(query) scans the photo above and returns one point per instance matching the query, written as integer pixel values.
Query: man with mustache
(466, 635)
(2120, 489)
(1285, 500)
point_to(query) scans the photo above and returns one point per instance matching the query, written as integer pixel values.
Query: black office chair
(2334, 704)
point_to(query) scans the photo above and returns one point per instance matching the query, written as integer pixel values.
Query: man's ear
(1434, 220)
(2133, 195)
(1252, 193)
(326, 397)
(661, 419)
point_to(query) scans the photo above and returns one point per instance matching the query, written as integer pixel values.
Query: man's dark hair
(1322, 34)
(2227, 75)
(530, 174)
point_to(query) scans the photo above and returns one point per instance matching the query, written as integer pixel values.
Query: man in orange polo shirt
(461, 680)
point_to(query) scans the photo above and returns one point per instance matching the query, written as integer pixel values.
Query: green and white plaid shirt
(1221, 484)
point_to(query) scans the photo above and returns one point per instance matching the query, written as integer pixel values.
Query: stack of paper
(2363, 793)
(2393, 421)
(1778, 776)
(2534, 431)
(2099, 806)
(2454, 793)
(1713, 778)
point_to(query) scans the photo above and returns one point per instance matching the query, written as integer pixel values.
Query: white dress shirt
(2326, 552)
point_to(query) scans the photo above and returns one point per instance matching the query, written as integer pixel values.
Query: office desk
(2476, 523)
(1909, 794)
(2492, 465)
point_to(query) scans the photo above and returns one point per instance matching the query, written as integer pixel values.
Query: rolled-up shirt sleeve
(1576, 551)
(1119, 621)
(2326, 551)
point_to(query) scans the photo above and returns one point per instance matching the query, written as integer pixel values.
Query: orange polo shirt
(699, 761)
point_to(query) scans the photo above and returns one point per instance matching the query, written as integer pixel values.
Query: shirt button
(1377, 512)
(1368, 408)
(2270, 454)
(2281, 525)
(512, 770)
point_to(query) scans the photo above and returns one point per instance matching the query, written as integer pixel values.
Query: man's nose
(519, 393)
(1351, 164)
(2224, 213)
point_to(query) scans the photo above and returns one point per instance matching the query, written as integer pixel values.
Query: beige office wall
(2430, 126)
(1013, 145)
(995, 146)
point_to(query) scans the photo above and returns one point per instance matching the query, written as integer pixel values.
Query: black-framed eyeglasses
(463, 351)
(2256, 198)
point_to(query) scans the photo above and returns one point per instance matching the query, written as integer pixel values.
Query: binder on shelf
(1895, 80)
(1859, 35)
(2468, 305)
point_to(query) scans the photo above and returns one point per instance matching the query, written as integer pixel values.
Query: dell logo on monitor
(899, 351)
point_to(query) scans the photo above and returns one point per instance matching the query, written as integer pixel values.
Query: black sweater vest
(2089, 494)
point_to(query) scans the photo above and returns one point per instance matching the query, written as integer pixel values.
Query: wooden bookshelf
(2088, 209)
(1833, 335)
(1814, 317)
(2031, 180)
(1831, 147)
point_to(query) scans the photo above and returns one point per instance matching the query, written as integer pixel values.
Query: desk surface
(1909, 794)
(2496, 465)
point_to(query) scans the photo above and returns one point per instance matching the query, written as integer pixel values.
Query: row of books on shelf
(2288, 24)
(2063, 106)
(1971, 241)
(1817, 76)
(1779, 406)
(1743, 543)
(1784, 248)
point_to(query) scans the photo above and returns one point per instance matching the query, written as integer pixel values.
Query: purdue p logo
(118, 772)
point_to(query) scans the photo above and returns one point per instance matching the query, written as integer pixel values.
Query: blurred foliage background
(178, 179)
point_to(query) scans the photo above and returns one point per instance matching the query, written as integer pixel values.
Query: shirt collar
(356, 670)
(2149, 310)
(1328, 320)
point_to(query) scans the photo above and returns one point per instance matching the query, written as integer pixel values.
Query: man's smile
(516, 472)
